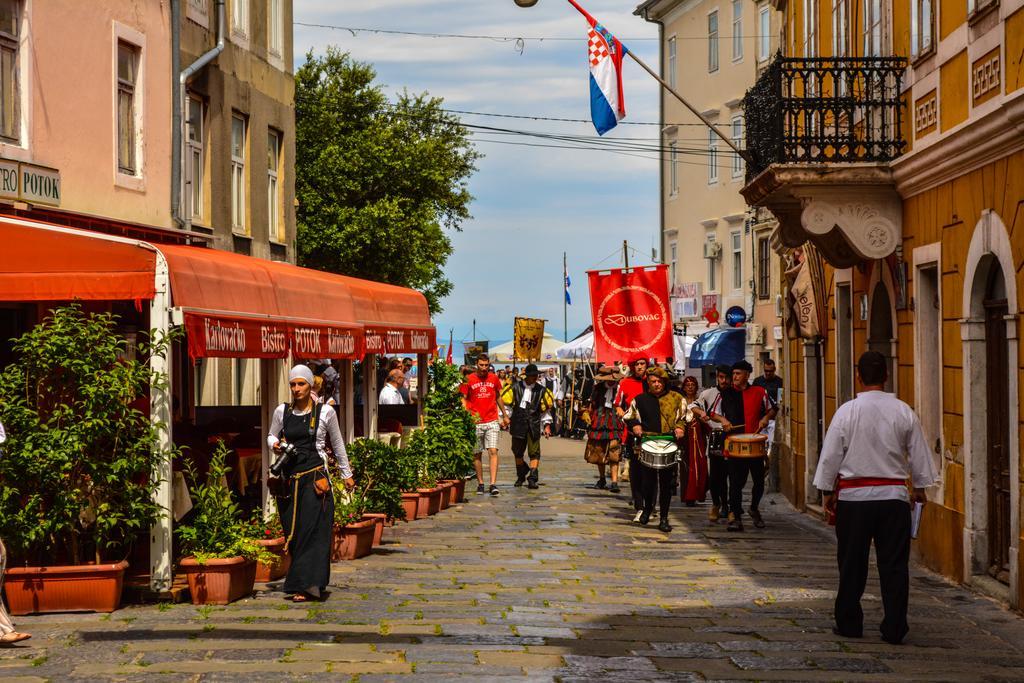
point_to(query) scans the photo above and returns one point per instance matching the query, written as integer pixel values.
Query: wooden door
(997, 409)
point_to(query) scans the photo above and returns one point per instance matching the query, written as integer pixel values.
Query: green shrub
(76, 477)
(382, 472)
(445, 444)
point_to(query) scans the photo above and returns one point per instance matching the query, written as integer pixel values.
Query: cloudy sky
(531, 203)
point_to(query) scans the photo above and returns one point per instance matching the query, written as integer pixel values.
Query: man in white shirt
(873, 445)
(718, 471)
(390, 393)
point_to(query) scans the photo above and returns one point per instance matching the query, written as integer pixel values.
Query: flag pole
(666, 86)
(565, 299)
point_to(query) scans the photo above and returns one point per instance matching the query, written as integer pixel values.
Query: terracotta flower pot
(458, 491)
(352, 541)
(219, 581)
(274, 571)
(410, 503)
(446, 493)
(430, 502)
(91, 587)
(380, 519)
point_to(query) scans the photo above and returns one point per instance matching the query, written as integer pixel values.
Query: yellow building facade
(900, 158)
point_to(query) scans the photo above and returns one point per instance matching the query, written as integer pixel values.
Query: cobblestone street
(554, 584)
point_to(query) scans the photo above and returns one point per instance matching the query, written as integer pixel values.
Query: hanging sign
(631, 314)
(735, 316)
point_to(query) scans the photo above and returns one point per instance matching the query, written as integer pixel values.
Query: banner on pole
(631, 313)
(528, 336)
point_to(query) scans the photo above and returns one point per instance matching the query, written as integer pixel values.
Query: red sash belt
(861, 482)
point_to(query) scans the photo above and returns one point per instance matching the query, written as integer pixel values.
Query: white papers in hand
(915, 518)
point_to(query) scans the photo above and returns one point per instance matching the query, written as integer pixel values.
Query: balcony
(821, 133)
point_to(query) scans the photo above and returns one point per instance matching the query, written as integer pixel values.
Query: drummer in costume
(531, 404)
(873, 446)
(306, 503)
(655, 413)
(748, 409)
(694, 475)
(629, 388)
(604, 447)
(718, 473)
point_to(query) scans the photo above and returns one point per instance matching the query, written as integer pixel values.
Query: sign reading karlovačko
(631, 313)
(528, 337)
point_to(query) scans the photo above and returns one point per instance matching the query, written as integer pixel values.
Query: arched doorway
(880, 329)
(997, 411)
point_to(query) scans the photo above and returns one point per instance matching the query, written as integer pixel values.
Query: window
(840, 21)
(737, 30)
(10, 94)
(195, 161)
(275, 222)
(712, 281)
(672, 61)
(275, 30)
(737, 139)
(127, 73)
(873, 28)
(672, 263)
(811, 28)
(713, 41)
(712, 157)
(764, 33)
(977, 5)
(844, 343)
(928, 341)
(764, 268)
(673, 167)
(737, 260)
(240, 18)
(921, 24)
(238, 218)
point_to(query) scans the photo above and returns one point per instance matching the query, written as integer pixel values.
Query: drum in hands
(659, 453)
(747, 445)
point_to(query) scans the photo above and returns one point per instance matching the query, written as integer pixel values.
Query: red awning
(234, 306)
(59, 265)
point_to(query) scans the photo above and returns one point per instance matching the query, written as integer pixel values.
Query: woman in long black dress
(306, 502)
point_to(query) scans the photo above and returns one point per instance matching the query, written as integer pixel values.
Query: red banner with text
(631, 313)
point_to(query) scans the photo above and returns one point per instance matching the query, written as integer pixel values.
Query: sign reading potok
(631, 314)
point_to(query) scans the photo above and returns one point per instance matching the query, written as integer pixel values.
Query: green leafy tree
(379, 184)
(76, 475)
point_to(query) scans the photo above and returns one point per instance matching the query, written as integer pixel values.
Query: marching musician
(718, 473)
(530, 403)
(694, 470)
(873, 446)
(747, 408)
(656, 412)
(629, 388)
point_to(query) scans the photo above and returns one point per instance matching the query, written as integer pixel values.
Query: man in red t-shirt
(481, 395)
(750, 408)
(629, 389)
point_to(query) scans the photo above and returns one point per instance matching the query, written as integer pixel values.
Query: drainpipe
(644, 11)
(183, 79)
(176, 114)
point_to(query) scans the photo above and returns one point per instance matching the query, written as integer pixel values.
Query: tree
(379, 184)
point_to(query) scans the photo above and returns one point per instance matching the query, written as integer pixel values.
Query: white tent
(503, 353)
(582, 349)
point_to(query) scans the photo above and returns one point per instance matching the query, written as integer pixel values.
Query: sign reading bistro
(22, 181)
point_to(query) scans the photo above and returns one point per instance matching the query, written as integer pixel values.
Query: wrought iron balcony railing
(824, 110)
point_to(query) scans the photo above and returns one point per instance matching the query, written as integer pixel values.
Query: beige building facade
(712, 51)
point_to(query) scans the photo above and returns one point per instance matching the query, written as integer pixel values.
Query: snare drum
(747, 445)
(659, 453)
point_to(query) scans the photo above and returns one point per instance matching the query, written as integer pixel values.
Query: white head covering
(301, 372)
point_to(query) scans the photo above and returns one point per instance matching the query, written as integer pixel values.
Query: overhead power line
(561, 120)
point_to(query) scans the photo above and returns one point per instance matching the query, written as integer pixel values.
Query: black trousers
(739, 470)
(718, 482)
(529, 447)
(660, 484)
(887, 524)
(635, 475)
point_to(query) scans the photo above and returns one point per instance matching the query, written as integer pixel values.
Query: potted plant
(387, 477)
(446, 441)
(222, 549)
(270, 535)
(353, 533)
(76, 484)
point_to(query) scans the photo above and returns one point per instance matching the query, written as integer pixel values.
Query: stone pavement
(554, 584)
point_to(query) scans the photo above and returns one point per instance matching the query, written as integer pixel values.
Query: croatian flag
(605, 53)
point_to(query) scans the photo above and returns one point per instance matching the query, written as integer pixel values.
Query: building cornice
(977, 143)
